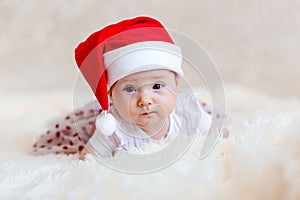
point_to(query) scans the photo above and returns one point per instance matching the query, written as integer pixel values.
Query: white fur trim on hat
(142, 56)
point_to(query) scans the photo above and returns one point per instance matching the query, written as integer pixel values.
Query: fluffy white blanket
(260, 159)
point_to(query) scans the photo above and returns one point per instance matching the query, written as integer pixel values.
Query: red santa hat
(121, 49)
(124, 48)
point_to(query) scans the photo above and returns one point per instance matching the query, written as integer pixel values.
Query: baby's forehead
(149, 75)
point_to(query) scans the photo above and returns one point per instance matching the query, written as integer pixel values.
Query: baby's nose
(145, 99)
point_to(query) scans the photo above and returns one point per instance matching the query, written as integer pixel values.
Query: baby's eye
(129, 89)
(157, 86)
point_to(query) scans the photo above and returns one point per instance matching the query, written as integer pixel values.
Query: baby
(133, 67)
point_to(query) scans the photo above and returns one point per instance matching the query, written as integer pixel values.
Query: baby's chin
(154, 122)
(144, 122)
(149, 120)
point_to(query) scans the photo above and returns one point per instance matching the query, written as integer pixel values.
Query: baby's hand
(225, 133)
(83, 154)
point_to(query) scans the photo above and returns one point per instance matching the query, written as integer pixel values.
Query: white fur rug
(260, 159)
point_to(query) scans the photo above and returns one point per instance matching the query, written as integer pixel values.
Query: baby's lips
(148, 113)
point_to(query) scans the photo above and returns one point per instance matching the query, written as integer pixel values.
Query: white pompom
(106, 123)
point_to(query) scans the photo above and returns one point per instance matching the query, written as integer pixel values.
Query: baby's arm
(100, 145)
(216, 116)
(83, 153)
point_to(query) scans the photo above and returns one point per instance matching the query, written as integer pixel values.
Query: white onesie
(70, 133)
(188, 117)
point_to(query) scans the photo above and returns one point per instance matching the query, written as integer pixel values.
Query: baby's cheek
(169, 105)
(130, 111)
(121, 104)
(164, 110)
(125, 112)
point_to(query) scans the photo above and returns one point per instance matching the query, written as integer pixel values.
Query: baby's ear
(109, 92)
(177, 80)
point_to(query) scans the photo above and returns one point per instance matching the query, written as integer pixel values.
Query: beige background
(254, 43)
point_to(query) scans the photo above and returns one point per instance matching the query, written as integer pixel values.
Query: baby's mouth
(148, 113)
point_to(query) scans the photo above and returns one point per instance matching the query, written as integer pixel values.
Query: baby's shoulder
(190, 110)
(188, 106)
(190, 102)
(187, 101)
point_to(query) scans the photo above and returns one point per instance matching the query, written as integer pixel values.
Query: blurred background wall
(254, 43)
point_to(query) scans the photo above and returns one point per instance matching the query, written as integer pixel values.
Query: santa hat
(124, 48)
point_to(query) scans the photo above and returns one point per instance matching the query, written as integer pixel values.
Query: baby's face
(146, 98)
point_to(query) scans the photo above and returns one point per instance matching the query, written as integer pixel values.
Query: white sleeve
(194, 115)
(205, 122)
(102, 145)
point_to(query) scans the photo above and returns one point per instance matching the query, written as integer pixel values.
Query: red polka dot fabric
(209, 110)
(70, 133)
